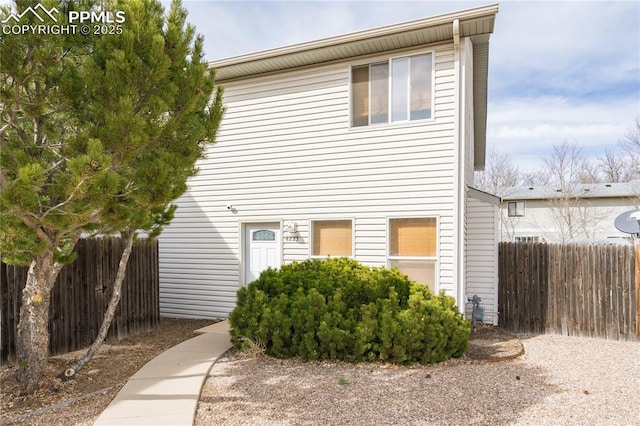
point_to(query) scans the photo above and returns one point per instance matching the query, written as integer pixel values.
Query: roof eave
(473, 22)
(626, 190)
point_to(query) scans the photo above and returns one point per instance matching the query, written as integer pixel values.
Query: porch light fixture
(290, 231)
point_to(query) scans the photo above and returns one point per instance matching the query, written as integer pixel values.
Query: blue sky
(559, 70)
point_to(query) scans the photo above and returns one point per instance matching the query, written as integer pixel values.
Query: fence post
(638, 289)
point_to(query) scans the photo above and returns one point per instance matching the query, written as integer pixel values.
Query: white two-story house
(361, 145)
(582, 213)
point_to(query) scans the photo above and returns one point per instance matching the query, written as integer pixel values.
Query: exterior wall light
(290, 231)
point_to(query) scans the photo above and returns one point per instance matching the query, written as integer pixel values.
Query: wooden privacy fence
(81, 295)
(569, 289)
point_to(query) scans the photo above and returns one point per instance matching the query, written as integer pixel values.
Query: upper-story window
(515, 208)
(395, 90)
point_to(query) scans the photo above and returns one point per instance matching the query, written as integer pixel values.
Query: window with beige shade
(332, 238)
(413, 248)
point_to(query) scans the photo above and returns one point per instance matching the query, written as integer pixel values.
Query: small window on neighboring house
(515, 208)
(332, 238)
(527, 239)
(391, 91)
(412, 248)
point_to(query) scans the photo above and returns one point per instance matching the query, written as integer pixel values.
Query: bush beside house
(339, 309)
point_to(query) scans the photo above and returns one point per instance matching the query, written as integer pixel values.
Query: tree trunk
(70, 372)
(32, 345)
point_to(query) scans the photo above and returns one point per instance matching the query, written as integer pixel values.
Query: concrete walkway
(166, 390)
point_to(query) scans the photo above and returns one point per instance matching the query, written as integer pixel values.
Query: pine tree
(98, 134)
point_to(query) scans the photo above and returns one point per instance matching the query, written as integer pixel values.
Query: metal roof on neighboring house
(477, 23)
(592, 190)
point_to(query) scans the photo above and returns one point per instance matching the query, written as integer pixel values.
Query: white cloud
(234, 28)
(568, 46)
(526, 128)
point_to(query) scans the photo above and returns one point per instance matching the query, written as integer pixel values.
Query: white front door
(262, 249)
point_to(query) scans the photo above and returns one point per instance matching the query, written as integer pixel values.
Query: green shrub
(339, 309)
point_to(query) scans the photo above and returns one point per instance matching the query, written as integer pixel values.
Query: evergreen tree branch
(6, 127)
(40, 233)
(137, 114)
(3, 180)
(66, 202)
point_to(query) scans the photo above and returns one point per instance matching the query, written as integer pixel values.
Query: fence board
(636, 306)
(81, 295)
(572, 289)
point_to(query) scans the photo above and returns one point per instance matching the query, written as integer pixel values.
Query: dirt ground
(490, 344)
(80, 401)
(105, 375)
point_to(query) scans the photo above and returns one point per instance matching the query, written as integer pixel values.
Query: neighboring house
(361, 145)
(582, 213)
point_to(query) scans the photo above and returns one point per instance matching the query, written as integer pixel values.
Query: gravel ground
(559, 381)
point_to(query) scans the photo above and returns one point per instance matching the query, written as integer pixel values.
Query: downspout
(456, 34)
(459, 168)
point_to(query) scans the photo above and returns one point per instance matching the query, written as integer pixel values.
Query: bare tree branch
(499, 172)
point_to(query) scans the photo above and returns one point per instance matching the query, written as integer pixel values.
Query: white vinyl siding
(286, 152)
(482, 257)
